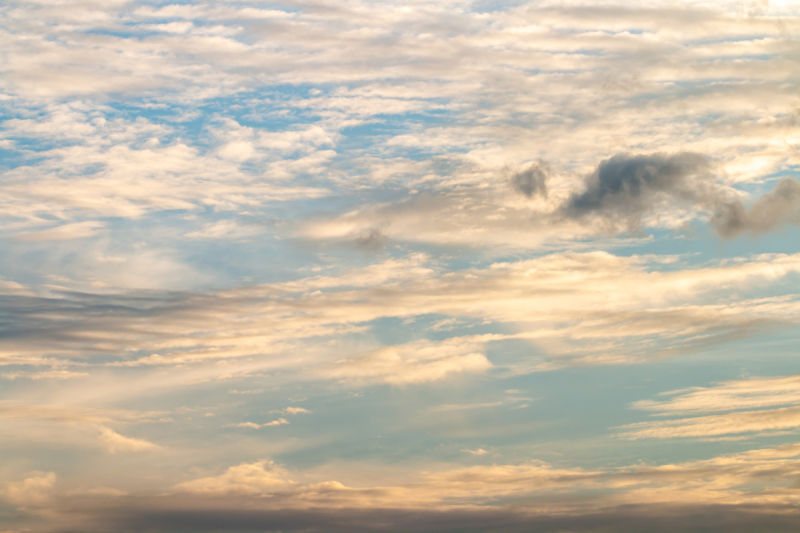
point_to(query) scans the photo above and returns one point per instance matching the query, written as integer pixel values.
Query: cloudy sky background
(382, 266)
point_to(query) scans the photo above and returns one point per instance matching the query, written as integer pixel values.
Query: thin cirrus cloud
(756, 405)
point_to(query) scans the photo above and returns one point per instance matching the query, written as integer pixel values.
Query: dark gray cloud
(179, 515)
(625, 187)
(779, 207)
(533, 180)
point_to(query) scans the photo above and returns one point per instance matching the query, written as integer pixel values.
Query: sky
(376, 266)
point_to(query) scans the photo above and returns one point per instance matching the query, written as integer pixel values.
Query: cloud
(188, 516)
(736, 492)
(50, 374)
(35, 490)
(253, 425)
(413, 363)
(278, 422)
(226, 229)
(363, 124)
(373, 241)
(84, 423)
(779, 207)
(747, 398)
(532, 181)
(77, 230)
(296, 410)
(114, 442)
(590, 308)
(625, 187)
(128, 168)
(255, 478)
(752, 393)
(714, 425)
(479, 451)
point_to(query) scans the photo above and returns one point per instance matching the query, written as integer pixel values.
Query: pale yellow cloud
(419, 362)
(35, 490)
(752, 393)
(726, 479)
(114, 442)
(255, 478)
(82, 422)
(579, 308)
(50, 374)
(296, 410)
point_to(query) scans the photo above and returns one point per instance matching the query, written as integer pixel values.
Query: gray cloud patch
(624, 187)
(373, 241)
(172, 514)
(532, 181)
(774, 209)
